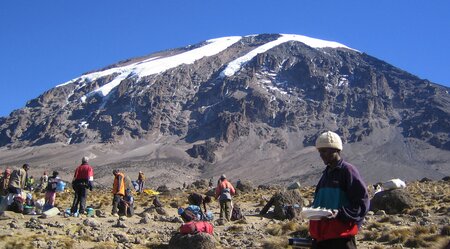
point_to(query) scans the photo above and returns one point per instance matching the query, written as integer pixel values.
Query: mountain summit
(252, 106)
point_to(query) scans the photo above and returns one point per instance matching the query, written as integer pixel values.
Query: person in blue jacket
(342, 189)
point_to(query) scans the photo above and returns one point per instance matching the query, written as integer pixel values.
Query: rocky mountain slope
(250, 106)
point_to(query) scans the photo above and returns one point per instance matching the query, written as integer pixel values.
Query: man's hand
(333, 214)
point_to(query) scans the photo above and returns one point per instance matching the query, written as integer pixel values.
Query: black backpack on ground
(236, 214)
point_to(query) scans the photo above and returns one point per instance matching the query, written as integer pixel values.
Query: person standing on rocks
(43, 181)
(18, 180)
(224, 192)
(50, 191)
(140, 182)
(341, 189)
(118, 190)
(4, 182)
(82, 181)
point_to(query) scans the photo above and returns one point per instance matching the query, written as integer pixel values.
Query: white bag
(394, 184)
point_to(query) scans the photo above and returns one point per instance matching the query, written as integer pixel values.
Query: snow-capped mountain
(279, 90)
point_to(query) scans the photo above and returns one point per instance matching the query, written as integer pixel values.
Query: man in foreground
(340, 188)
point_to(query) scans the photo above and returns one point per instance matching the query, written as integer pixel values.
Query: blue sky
(45, 43)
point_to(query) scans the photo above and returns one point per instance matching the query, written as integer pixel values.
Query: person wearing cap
(342, 189)
(118, 190)
(82, 181)
(224, 193)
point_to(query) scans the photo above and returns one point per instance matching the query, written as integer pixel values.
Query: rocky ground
(425, 225)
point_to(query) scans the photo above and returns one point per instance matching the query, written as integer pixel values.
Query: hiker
(199, 200)
(340, 188)
(30, 183)
(118, 190)
(210, 183)
(28, 205)
(140, 182)
(224, 191)
(43, 181)
(4, 182)
(18, 180)
(126, 205)
(50, 191)
(82, 181)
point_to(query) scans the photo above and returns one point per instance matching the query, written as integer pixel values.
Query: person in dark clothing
(82, 181)
(199, 200)
(50, 191)
(118, 190)
(126, 205)
(340, 188)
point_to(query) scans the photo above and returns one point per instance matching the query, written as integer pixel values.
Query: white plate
(315, 213)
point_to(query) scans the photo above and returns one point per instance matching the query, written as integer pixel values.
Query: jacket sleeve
(232, 190)
(358, 197)
(218, 189)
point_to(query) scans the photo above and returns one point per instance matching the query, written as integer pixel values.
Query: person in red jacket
(82, 181)
(224, 192)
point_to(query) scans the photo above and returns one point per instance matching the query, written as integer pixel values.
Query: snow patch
(155, 65)
(237, 64)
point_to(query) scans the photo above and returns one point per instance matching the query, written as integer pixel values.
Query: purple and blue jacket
(341, 188)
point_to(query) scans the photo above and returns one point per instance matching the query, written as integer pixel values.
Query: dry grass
(275, 243)
(235, 229)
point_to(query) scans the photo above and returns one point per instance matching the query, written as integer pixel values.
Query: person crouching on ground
(126, 206)
(118, 190)
(340, 188)
(224, 192)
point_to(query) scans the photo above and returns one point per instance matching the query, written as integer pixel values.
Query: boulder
(425, 179)
(202, 183)
(295, 185)
(245, 186)
(197, 241)
(392, 201)
(281, 201)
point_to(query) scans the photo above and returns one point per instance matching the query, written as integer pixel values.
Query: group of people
(12, 186)
(123, 201)
(340, 188)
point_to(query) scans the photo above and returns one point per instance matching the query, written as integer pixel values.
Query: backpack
(236, 213)
(51, 185)
(225, 194)
(192, 212)
(17, 205)
(197, 227)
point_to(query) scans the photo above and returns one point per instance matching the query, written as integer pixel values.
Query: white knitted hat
(329, 139)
